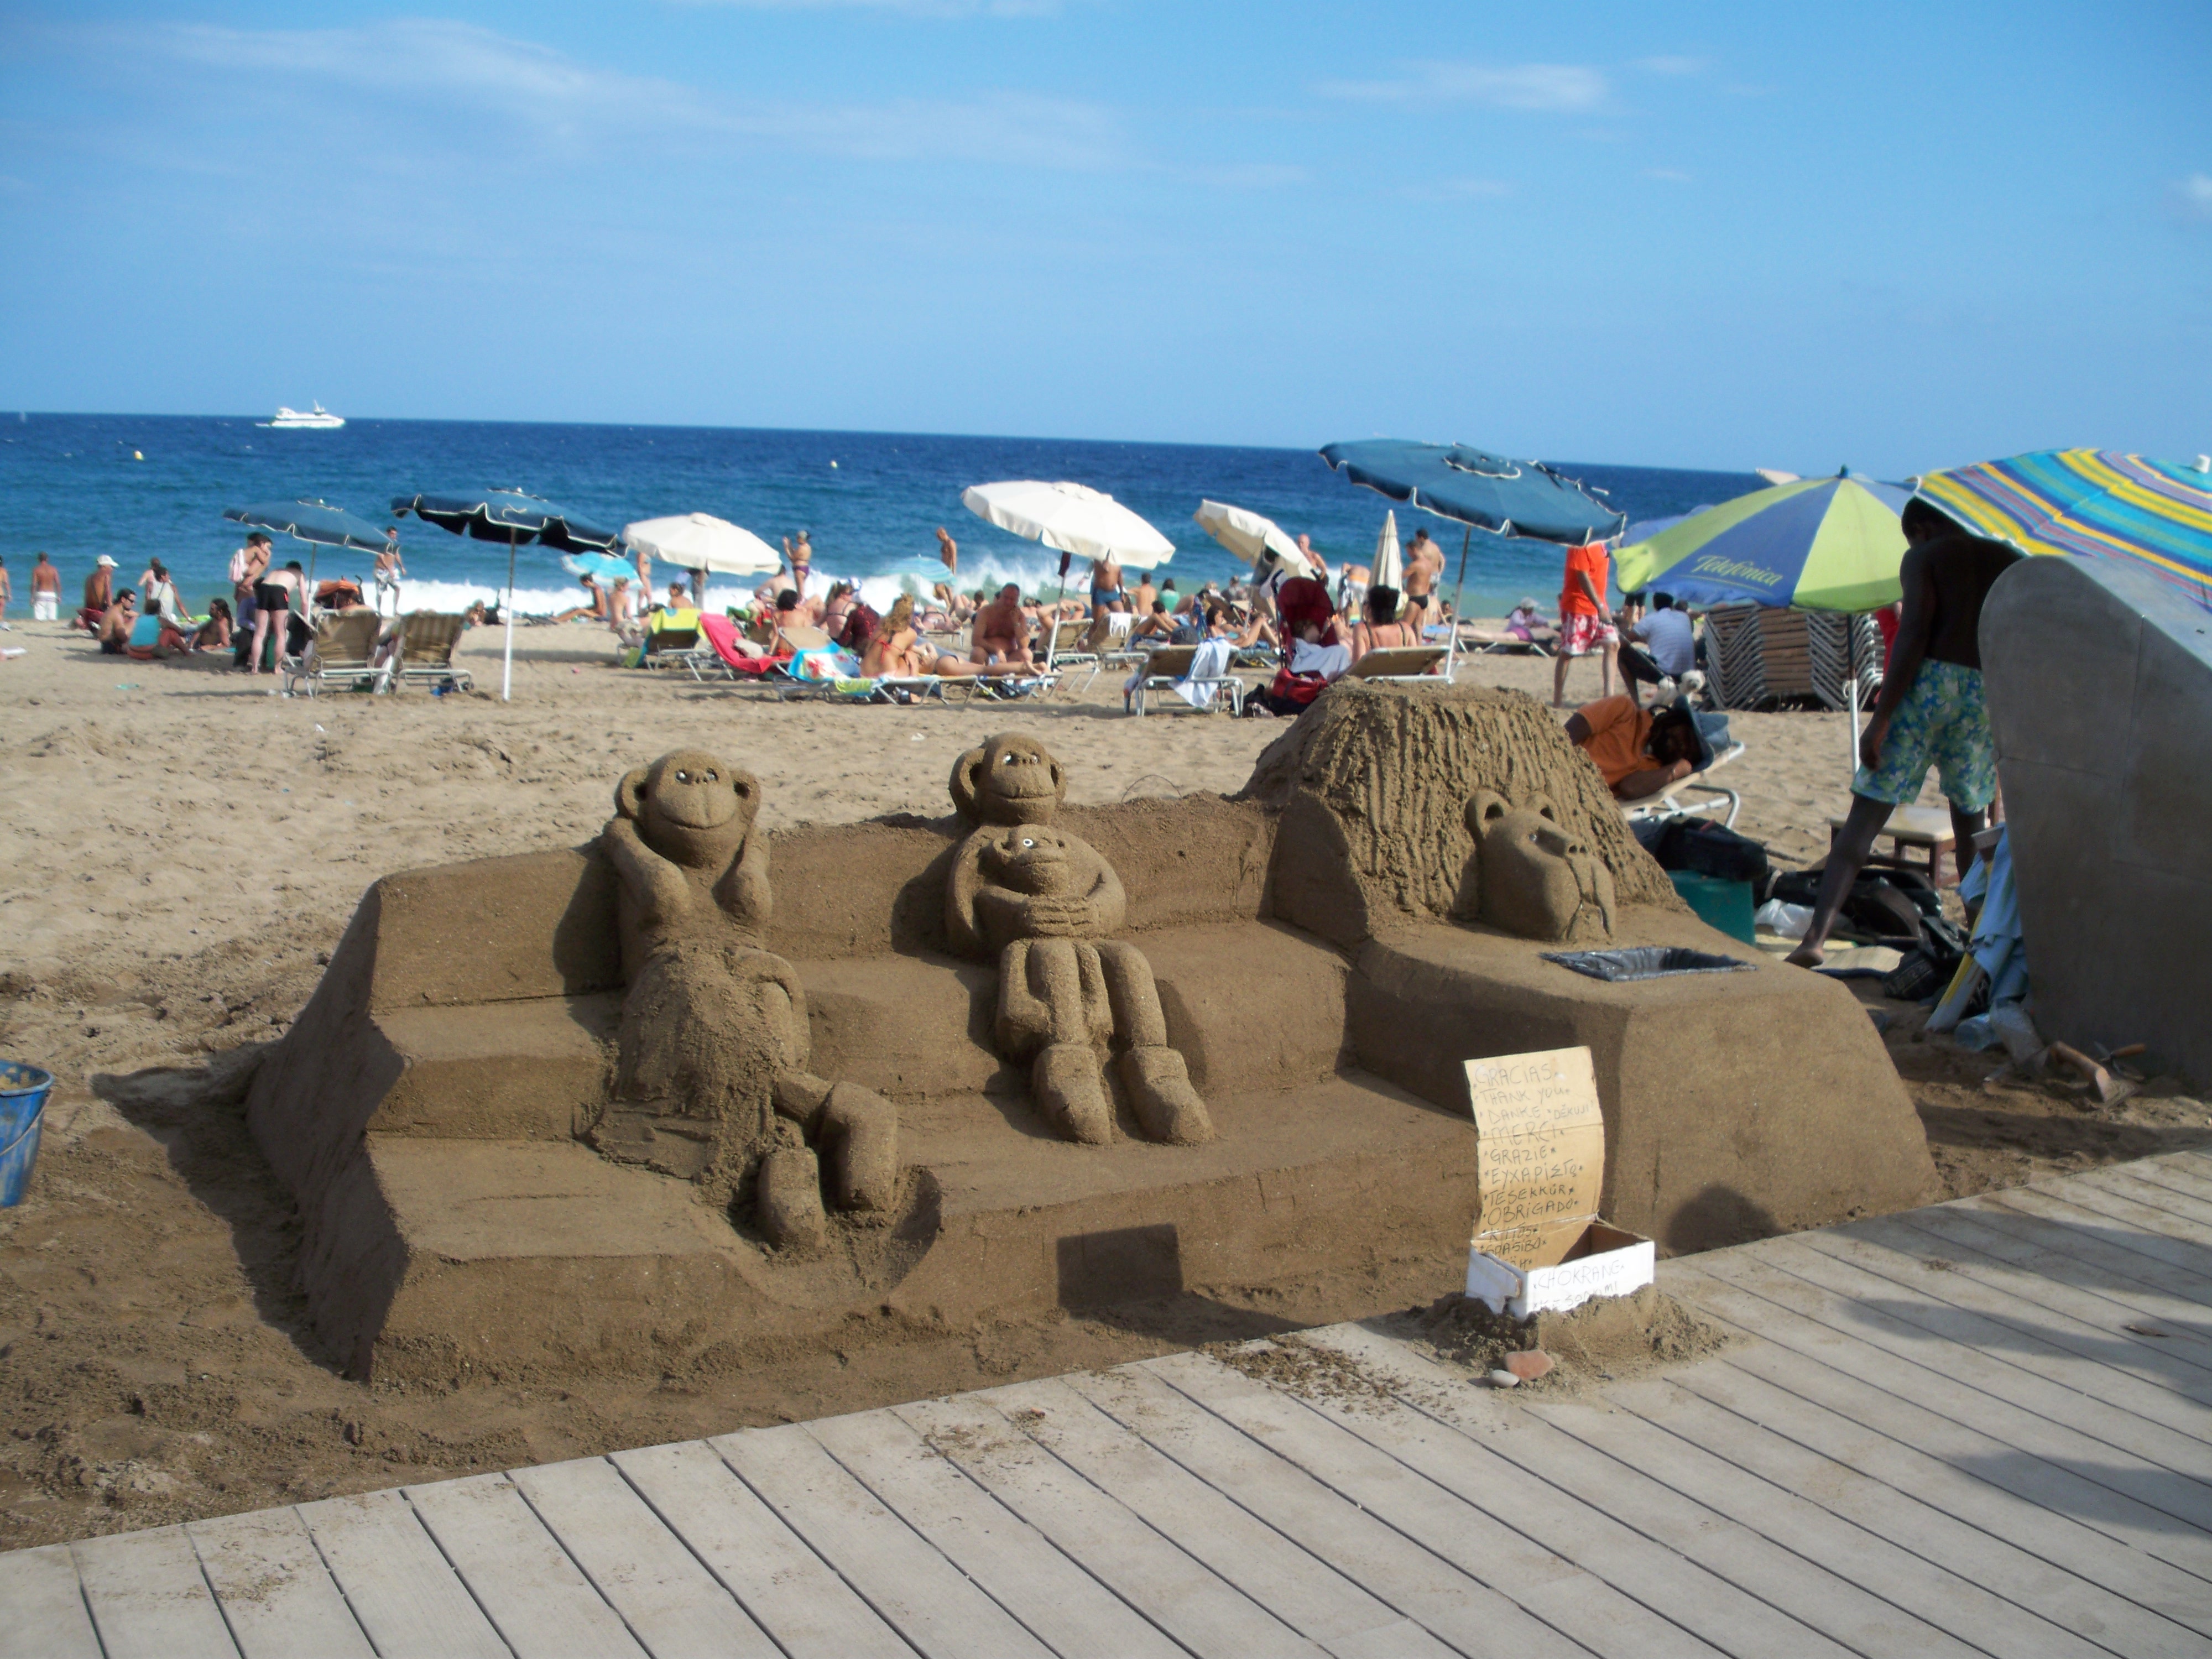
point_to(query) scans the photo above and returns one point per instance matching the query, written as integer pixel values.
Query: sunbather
(1530, 625)
(117, 622)
(1381, 630)
(214, 634)
(899, 650)
(1001, 631)
(1639, 752)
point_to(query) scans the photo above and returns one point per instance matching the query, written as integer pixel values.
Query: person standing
(1105, 595)
(1425, 563)
(799, 553)
(99, 594)
(390, 568)
(247, 566)
(1584, 627)
(46, 591)
(1931, 713)
(274, 597)
(949, 551)
(7, 593)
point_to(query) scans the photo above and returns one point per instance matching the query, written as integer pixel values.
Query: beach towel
(1208, 664)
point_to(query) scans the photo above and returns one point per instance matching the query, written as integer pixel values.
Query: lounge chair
(342, 655)
(1169, 667)
(1395, 665)
(425, 654)
(1725, 749)
(1064, 654)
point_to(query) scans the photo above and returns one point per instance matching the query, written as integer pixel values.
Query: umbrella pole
(1451, 652)
(507, 662)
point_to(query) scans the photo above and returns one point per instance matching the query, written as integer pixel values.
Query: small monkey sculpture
(1534, 878)
(715, 1043)
(1046, 903)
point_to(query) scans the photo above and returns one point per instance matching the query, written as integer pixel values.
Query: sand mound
(1373, 782)
(1604, 1340)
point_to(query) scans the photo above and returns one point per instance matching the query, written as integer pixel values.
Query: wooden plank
(2174, 1191)
(522, 1578)
(2050, 1510)
(1068, 1609)
(2015, 1355)
(802, 1603)
(277, 1595)
(671, 1604)
(2009, 1262)
(1441, 1428)
(919, 1594)
(400, 1585)
(147, 1596)
(2119, 1272)
(2116, 1220)
(1874, 1538)
(1575, 1603)
(1412, 1581)
(46, 1616)
(1306, 1592)
(1173, 1592)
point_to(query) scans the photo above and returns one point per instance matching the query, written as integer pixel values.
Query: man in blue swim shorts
(1931, 713)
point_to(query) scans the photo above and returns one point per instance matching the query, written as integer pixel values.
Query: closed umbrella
(1259, 541)
(1817, 544)
(510, 516)
(2092, 503)
(1388, 569)
(1480, 490)
(1072, 518)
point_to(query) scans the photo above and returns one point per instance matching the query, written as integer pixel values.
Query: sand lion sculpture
(714, 1039)
(1045, 902)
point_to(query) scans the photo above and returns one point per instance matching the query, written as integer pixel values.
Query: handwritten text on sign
(1540, 1150)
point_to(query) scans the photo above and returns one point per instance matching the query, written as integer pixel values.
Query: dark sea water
(136, 486)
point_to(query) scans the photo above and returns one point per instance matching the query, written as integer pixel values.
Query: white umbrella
(1071, 517)
(700, 541)
(1258, 541)
(1389, 570)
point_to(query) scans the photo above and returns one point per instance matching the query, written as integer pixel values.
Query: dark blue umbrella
(314, 522)
(510, 516)
(1482, 492)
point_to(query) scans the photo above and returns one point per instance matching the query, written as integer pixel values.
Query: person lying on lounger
(899, 650)
(1639, 752)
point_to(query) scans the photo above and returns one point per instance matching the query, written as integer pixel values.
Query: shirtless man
(1000, 632)
(116, 625)
(1140, 602)
(98, 595)
(949, 551)
(46, 591)
(1105, 595)
(1930, 712)
(1425, 563)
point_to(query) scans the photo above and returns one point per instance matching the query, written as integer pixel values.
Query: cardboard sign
(1539, 1154)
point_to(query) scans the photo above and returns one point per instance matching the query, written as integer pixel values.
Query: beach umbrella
(1480, 490)
(700, 541)
(510, 516)
(1817, 544)
(1256, 540)
(2092, 503)
(1074, 518)
(312, 521)
(599, 567)
(1388, 569)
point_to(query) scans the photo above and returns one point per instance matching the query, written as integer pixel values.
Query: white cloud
(1554, 88)
(473, 69)
(2192, 197)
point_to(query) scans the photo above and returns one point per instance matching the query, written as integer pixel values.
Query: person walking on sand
(390, 568)
(949, 551)
(46, 591)
(1930, 712)
(1583, 625)
(7, 593)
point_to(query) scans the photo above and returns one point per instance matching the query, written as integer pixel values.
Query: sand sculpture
(1303, 970)
(1531, 876)
(1045, 903)
(713, 1038)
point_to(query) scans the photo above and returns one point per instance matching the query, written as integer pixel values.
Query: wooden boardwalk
(1981, 1428)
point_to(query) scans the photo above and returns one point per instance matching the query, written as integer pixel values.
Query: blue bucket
(23, 1091)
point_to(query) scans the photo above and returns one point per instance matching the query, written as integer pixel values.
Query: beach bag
(1300, 689)
(1702, 847)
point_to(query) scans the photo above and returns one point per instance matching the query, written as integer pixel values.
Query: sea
(138, 486)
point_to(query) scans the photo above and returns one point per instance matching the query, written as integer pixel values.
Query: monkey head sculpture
(714, 1037)
(1535, 879)
(1046, 903)
(1011, 779)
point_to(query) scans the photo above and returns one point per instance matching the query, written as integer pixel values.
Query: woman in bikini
(1381, 630)
(897, 652)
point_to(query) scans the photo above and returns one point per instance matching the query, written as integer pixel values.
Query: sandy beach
(182, 852)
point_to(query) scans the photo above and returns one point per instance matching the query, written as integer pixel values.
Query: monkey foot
(1071, 1094)
(789, 1200)
(1168, 1108)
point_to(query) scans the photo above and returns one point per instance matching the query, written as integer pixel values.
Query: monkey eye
(1028, 842)
(682, 777)
(712, 776)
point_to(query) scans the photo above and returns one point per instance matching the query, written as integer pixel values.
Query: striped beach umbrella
(2093, 503)
(1816, 544)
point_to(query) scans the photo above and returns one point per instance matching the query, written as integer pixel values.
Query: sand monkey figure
(1046, 902)
(1531, 875)
(713, 1040)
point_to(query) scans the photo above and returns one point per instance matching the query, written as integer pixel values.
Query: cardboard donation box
(1539, 1166)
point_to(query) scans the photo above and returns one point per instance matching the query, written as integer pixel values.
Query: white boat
(318, 419)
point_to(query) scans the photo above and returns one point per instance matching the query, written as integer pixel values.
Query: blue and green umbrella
(2092, 503)
(1817, 544)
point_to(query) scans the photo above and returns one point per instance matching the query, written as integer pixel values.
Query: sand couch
(425, 1105)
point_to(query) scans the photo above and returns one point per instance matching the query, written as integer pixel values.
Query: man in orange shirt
(1583, 624)
(1638, 753)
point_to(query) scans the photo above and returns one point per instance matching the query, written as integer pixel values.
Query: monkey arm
(1109, 904)
(964, 890)
(658, 885)
(743, 892)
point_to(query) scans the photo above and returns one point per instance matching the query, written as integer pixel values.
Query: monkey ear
(967, 778)
(745, 786)
(1484, 809)
(630, 792)
(1542, 804)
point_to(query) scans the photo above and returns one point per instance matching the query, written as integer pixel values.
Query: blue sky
(1895, 236)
